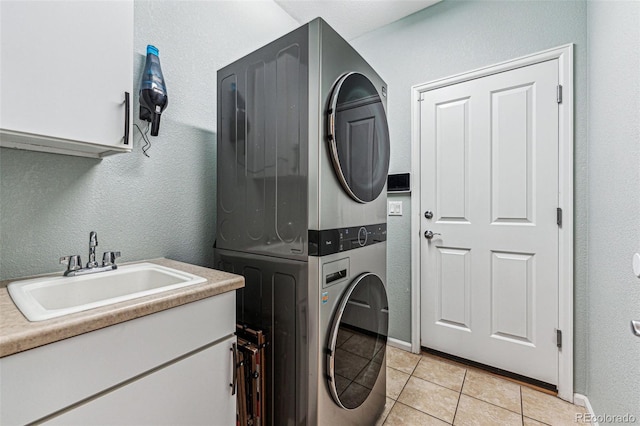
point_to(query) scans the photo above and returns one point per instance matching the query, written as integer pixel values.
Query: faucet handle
(109, 258)
(93, 239)
(73, 262)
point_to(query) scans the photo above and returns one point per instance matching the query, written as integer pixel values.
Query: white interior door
(489, 175)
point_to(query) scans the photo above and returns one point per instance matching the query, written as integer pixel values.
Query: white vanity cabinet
(64, 69)
(171, 367)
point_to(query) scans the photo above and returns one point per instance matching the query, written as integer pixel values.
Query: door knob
(429, 234)
(635, 327)
(428, 214)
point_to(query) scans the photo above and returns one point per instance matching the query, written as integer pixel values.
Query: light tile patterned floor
(425, 390)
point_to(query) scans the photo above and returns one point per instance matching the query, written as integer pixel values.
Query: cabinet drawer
(193, 391)
(38, 382)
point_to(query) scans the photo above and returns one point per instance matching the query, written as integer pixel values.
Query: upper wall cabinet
(64, 70)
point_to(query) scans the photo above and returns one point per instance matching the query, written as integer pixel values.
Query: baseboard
(583, 401)
(400, 344)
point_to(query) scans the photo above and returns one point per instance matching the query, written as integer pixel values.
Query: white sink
(50, 297)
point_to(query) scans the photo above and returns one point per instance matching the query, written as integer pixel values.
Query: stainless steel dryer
(303, 156)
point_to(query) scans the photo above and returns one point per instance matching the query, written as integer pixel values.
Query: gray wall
(613, 375)
(456, 36)
(145, 207)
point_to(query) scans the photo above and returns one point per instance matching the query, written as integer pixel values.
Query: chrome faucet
(74, 264)
(93, 242)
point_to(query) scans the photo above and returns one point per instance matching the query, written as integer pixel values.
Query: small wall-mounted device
(398, 182)
(153, 91)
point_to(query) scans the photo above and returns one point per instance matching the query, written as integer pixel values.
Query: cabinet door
(65, 68)
(194, 390)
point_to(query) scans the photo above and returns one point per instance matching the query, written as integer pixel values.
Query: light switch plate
(395, 208)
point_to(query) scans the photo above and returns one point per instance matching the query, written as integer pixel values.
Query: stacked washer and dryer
(303, 157)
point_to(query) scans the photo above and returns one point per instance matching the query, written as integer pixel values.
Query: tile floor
(428, 390)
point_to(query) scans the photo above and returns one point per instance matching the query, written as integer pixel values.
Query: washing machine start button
(362, 236)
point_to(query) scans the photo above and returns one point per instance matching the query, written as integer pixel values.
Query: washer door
(358, 137)
(357, 341)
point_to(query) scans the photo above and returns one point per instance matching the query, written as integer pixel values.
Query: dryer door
(357, 341)
(358, 137)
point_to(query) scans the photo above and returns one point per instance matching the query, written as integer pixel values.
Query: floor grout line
(417, 409)
(423, 412)
(491, 403)
(521, 405)
(403, 386)
(455, 413)
(384, 421)
(397, 369)
(535, 420)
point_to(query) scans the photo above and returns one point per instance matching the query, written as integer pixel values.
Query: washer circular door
(357, 341)
(358, 137)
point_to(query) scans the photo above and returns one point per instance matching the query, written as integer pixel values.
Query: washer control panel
(329, 241)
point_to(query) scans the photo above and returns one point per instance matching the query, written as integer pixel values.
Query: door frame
(564, 54)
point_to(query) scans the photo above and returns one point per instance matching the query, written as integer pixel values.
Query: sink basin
(50, 297)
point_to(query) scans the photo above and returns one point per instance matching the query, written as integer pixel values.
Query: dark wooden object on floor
(251, 365)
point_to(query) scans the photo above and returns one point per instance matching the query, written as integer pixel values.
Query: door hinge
(559, 216)
(420, 99)
(559, 93)
(559, 338)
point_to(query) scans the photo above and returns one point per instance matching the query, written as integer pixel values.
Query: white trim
(565, 247)
(564, 54)
(400, 344)
(415, 221)
(583, 401)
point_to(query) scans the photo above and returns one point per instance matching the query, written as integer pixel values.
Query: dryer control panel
(329, 241)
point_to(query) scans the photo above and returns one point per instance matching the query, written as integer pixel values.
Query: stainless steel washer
(354, 323)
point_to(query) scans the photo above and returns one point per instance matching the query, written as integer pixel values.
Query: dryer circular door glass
(357, 341)
(358, 137)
